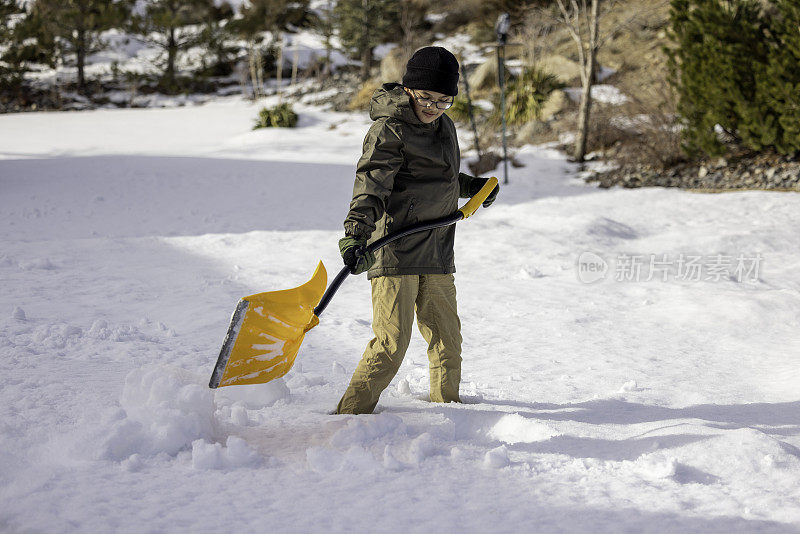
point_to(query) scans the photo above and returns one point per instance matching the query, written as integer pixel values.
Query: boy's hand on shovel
(476, 184)
(355, 255)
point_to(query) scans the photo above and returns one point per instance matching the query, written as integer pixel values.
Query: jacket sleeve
(380, 161)
(464, 181)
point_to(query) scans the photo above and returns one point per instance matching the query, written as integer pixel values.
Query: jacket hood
(390, 100)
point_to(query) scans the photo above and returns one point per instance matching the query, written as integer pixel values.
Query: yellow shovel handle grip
(474, 203)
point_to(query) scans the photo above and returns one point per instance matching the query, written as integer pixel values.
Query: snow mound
(629, 386)
(496, 458)
(48, 337)
(422, 447)
(655, 466)
(389, 461)
(101, 330)
(360, 445)
(514, 428)
(746, 454)
(363, 432)
(236, 453)
(164, 411)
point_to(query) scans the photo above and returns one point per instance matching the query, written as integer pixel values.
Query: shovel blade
(266, 332)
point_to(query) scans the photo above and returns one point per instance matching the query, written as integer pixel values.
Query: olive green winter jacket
(409, 172)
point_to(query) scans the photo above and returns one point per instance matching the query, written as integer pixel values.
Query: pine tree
(23, 30)
(781, 84)
(77, 24)
(324, 23)
(721, 53)
(12, 62)
(261, 16)
(215, 39)
(173, 26)
(364, 24)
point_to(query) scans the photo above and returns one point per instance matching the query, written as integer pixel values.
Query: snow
(597, 397)
(462, 46)
(607, 94)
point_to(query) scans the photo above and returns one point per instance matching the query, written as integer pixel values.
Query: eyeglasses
(427, 102)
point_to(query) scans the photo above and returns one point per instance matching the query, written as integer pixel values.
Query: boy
(409, 172)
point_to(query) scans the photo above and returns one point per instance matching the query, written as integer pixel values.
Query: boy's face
(425, 102)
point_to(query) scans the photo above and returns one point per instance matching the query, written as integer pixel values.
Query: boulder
(393, 66)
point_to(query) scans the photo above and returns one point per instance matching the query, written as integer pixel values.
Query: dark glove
(476, 184)
(355, 254)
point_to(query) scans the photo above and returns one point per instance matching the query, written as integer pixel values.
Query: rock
(487, 162)
(763, 171)
(564, 68)
(554, 105)
(527, 134)
(393, 66)
(484, 76)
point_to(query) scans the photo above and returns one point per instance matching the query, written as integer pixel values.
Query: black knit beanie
(432, 68)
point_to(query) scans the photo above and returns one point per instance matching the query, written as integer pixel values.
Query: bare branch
(567, 21)
(611, 31)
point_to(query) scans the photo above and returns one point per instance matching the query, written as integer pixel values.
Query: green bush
(734, 68)
(526, 95)
(280, 116)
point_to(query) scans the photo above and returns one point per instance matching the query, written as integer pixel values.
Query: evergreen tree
(721, 53)
(781, 84)
(173, 26)
(12, 64)
(364, 24)
(261, 16)
(28, 45)
(77, 24)
(215, 37)
(274, 16)
(324, 22)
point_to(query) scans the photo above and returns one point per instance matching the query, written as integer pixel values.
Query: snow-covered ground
(630, 356)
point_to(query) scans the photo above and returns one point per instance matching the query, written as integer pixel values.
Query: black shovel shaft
(413, 229)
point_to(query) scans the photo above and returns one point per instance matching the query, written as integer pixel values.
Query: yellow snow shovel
(267, 329)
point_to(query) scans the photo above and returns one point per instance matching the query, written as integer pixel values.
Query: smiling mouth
(429, 114)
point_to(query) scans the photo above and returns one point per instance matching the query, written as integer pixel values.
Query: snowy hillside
(630, 356)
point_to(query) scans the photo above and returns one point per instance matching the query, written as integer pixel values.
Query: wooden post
(280, 67)
(295, 59)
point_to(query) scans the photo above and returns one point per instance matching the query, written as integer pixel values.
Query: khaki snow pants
(394, 299)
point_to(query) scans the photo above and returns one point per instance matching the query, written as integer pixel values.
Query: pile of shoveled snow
(165, 410)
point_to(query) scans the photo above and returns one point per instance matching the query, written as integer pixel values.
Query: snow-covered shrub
(280, 116)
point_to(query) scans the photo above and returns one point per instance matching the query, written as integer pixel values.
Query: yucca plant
(527, 94)
(280, 116)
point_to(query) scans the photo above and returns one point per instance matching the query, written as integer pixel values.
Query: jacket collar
(390, 100)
